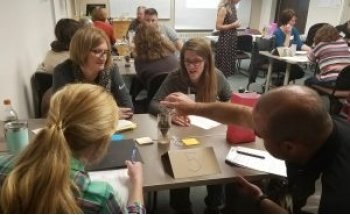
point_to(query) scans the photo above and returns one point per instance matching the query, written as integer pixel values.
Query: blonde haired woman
(90, 61)
(227, 24)
(154, 54)
(49, 176)
(197, 76)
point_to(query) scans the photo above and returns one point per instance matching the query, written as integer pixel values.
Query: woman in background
(64, 31)
(99, 19)
(345, 30)
(90, 62)
(198, 76)
(49, 176)
(331, 53)
(154, 54)
(286, 35)
(226, 47)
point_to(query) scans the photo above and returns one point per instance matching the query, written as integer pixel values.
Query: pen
(133, 154)
(250, 154)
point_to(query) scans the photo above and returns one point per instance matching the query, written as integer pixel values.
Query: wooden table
(155, 178)
(297, 59)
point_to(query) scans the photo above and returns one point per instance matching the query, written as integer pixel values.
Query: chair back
(154, 84)
(40, 83)
(257, 60)
(312, 32)
(245, 42)
(343, 80)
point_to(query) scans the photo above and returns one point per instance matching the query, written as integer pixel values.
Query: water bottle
(8, 114)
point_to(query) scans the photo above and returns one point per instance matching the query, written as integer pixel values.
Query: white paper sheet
(118, 179)
(267, 164)
(202, 122)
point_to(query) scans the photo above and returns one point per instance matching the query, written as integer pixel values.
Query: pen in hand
(133, 155)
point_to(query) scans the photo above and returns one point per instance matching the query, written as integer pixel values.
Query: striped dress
(331, 57)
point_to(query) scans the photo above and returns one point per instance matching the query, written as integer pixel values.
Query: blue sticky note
(117, 137)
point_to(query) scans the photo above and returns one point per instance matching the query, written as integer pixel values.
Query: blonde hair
(226, 5)
(83, 41)
(81, 120)
(207, 87)
(149, 43)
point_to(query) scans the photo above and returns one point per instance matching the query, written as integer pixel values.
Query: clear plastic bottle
(8, 113)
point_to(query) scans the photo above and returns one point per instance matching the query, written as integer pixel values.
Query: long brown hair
(207, 87)
(81, 120)
(326, 33)
(150, 44)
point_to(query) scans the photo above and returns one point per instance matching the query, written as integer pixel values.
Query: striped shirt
(94, 197)
(331, 57)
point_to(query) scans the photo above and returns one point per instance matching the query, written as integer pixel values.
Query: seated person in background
(90, 61)
(154, 54)
(99, 18)
(64, 31)
(49, 176)
(331, 53)
(297, 128)
(151, 16)
(286, 35)
(86, 21)
(140, 16)
(197, 75)
(344, 30)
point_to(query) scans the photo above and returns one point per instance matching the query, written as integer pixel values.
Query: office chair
(312, 32)
(259, 62)
(244, 45)
(339, 92)
(40, 83)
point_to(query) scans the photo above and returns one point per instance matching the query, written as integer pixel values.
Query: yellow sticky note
(190, 141)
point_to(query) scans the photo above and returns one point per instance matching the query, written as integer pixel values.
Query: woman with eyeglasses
(90, 62)
(197, 75)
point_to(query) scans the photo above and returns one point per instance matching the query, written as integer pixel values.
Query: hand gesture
(179, 120)
(183, 104)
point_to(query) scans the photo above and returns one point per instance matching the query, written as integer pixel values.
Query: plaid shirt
(94, 197)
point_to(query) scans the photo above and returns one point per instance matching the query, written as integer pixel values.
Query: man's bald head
(293, 113)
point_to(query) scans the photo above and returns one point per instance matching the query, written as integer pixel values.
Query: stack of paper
(125, 125)
(203, 122)
(257, 160)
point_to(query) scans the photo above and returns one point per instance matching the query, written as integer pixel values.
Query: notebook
(256, 159)
(117, 153)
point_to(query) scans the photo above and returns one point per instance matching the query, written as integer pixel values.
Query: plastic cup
(16, 136)
(163, 124)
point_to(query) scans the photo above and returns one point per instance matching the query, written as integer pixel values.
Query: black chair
(244, 46)
(259, 62)
(312, 32)
(40, 83)
(339, 92)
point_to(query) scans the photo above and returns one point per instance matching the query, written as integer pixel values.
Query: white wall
(330, 15)
(26, 32)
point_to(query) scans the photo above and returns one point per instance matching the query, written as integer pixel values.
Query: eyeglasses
(195, 63)
(100, 52)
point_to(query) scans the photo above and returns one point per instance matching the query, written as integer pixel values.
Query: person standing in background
(151, 17)
(64, 31)
(344, 30)
(140, 16)
(99, 18)
(226, 47)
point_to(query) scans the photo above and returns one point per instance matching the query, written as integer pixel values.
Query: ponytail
(40, 181)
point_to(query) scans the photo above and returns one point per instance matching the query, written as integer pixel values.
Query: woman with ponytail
(49, 176)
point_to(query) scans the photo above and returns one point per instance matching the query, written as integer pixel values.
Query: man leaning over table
(295, 127)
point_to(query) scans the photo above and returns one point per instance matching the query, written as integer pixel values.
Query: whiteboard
(201, 14)
(127, 8)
